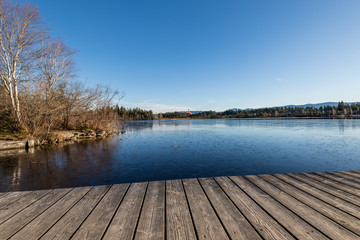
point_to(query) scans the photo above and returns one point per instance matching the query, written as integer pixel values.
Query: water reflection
(16, 152)
(342, 125)
(170, 149)
(62, 165)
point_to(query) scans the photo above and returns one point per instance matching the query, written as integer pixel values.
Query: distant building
(188, 112)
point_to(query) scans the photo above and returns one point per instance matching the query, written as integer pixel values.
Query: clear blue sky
(205, 54)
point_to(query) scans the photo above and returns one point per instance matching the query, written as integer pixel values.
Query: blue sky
(201, 55)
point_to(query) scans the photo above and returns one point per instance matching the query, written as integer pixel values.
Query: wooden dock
(279, 206)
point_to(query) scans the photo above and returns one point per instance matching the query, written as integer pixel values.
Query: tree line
(342, 110)
(134, 113)
(39, 91)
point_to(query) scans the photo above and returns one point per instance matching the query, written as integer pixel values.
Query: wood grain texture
(341, 180)
(152, 219)
(206, 222)
(15, 207)
(179, 224)
(319, 221)
(17, 222)
(297, 226)
(3, 194)
(351, 173)
(96, 223)
(327, 188)
(347, 177)
(265, 225)
(340, 203)
(68, 224)
(347, 221)
(335, 184)
(279, 206)
(124, 222)
(37, 227)
(12, 197)
(234, 222)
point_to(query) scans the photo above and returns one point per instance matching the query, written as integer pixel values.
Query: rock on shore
(60, 136)
(17, 144)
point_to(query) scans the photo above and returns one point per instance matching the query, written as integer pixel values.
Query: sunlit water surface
(172, 149)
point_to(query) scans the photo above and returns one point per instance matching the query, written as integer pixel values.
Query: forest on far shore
(342, 110)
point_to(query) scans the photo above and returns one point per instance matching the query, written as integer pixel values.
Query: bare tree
(5, 115)
(21, 32)
(55, 64)
(88, 106)
(55, 67)
(36, 73)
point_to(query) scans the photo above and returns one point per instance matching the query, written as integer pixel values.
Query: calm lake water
(171, 149)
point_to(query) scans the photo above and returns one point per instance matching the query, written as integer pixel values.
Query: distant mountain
(315, 105)
(318, 105)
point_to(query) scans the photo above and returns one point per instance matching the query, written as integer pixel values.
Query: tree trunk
(17, 105)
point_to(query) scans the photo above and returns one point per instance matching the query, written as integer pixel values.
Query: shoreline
(58, 137)
(251, 118)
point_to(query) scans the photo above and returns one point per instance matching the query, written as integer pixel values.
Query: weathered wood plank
(348, 221)
(304, 206)
(95, 225)
(327, 188)
(17, 206)
(333, 183)
(3, 194)
(152, 219)
(351, 173)
(324, 196)
(67, 225)
(12, 197)
(206, 222)
(297, 226)
(347, 177)
(355, 172)
(36, 228)
(178, 219)
(265, 225)
(124, 222)
(15, 223)
(340, 180)
(234, 222)
(324, 224)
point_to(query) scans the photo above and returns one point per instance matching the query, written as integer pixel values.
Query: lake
(172, 149)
